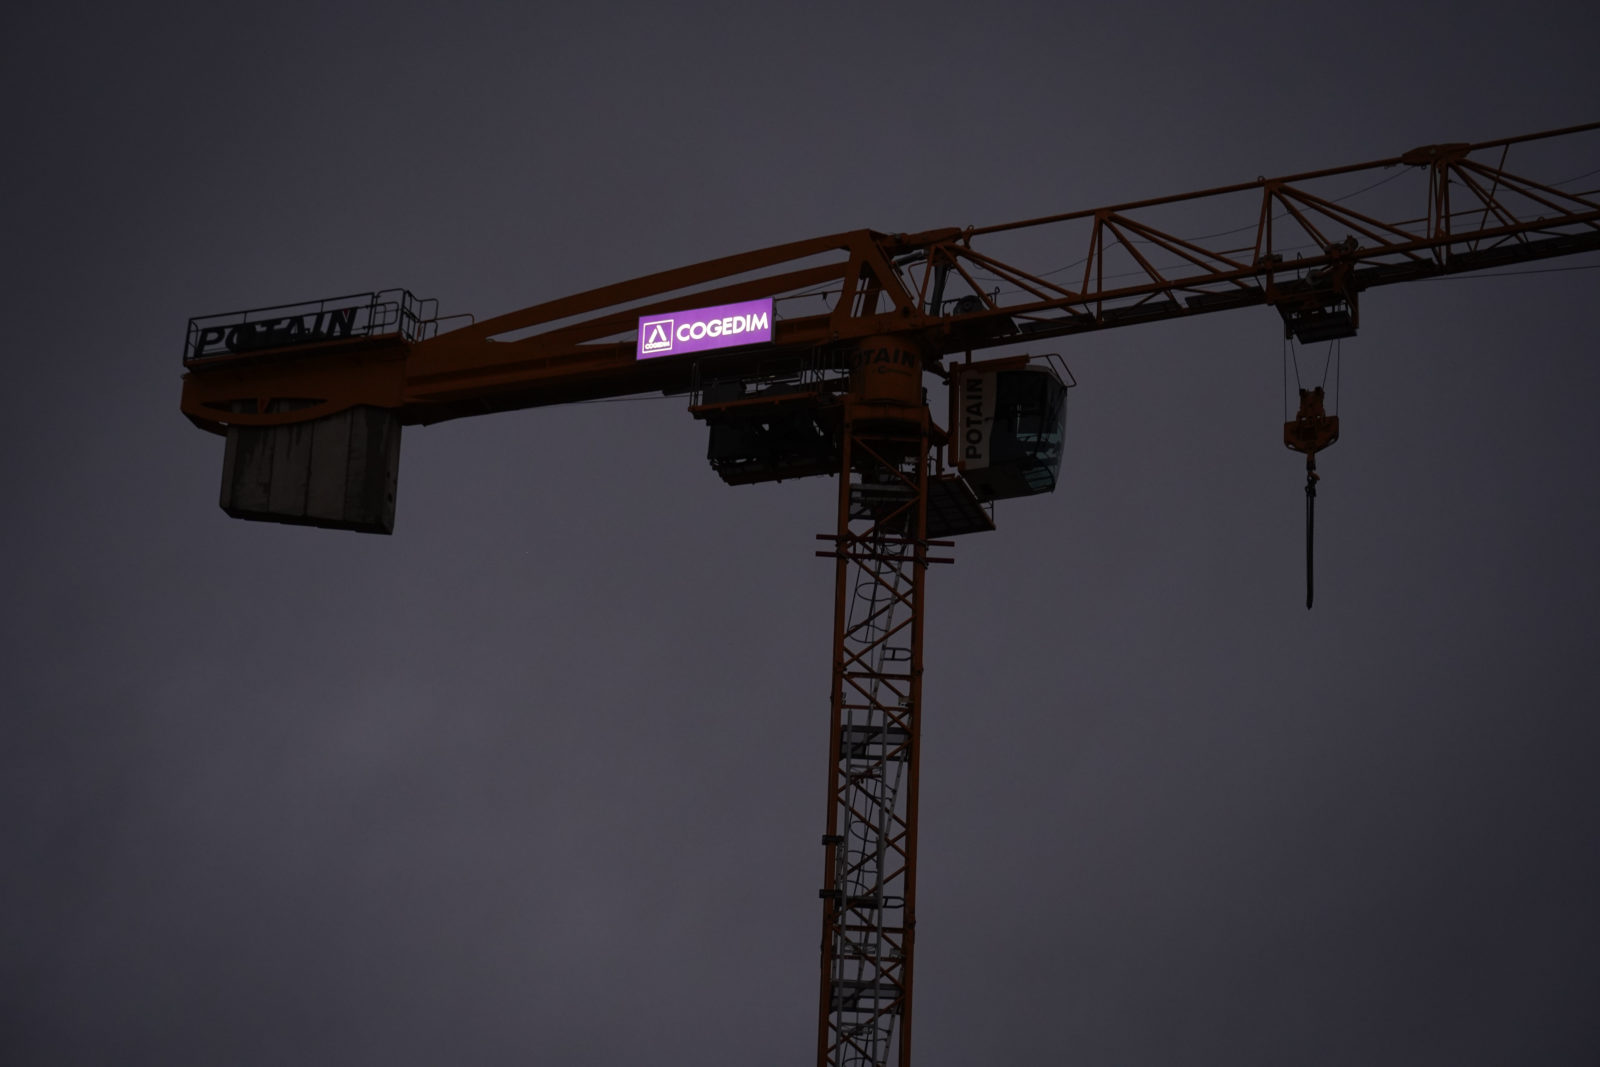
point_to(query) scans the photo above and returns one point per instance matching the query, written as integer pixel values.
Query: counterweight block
(338, 472)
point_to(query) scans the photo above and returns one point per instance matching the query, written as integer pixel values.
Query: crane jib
(702, 329)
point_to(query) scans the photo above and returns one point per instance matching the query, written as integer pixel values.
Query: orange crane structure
(815, 358)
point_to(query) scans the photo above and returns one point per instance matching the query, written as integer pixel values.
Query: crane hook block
(1313, 429)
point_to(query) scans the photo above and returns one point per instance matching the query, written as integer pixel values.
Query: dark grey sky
(540, 778)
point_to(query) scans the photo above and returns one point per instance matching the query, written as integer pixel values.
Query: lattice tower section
(869, 890)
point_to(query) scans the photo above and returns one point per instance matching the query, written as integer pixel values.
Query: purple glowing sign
(723, 326)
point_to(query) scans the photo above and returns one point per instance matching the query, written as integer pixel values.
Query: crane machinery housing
(312, 397)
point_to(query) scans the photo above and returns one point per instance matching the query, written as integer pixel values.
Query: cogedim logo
(723, 327)
(655, 337)
(748, 322)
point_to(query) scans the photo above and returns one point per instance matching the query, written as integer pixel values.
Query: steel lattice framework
(869, 877)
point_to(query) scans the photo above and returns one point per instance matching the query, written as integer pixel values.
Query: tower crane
(814, 358)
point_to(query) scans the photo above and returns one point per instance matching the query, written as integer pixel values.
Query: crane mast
(881, 553)
(312, 398)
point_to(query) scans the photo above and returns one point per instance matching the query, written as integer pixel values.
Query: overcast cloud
(540, 778)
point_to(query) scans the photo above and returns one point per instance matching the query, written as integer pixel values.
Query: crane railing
(387, 312)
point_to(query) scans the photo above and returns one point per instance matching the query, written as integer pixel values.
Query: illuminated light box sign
(723, 326)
